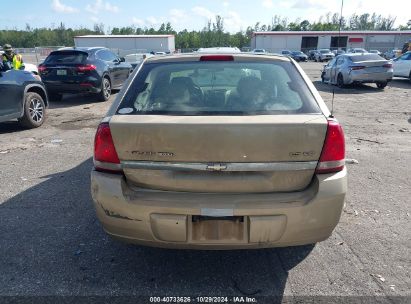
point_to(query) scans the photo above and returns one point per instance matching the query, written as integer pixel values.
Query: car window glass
(405, 57)
(66, 57)
(331, 63)
(106, 55)
(229, 88)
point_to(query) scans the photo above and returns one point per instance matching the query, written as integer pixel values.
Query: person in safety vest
(11, 60)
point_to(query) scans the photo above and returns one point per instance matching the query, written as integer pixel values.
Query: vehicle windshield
(298, 53)
(324, 51)
(366, 57)
(75, 57)
(218, 88)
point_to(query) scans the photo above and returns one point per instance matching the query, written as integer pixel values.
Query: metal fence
(38, 54)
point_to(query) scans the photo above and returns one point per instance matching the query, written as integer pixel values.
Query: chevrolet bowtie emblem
(216, 167)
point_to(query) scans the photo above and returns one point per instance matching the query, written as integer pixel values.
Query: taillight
(85, 68)
(388, 65)
(105, 154)
(357, 67)
(217, 58)
(41, 68)
(333, 154)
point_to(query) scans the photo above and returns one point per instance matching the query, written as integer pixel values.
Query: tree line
(213, 34)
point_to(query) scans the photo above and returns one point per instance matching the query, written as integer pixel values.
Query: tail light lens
(41, 68)
(357, 67)
(333, 154)
(85, 68)
(388, 65)
(105, 154)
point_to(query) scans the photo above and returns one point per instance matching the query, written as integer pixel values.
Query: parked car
(299, 56)
(375, 52)
(136, 59)
(286, 53)
(259, 51)
(338, 52)
(23, 97)
(31, 68)
(219, 151)
(311, 54)
(392, 54)
(323, 55)
(83, 70)
(402, 65)
(358, 68)
(357, 50)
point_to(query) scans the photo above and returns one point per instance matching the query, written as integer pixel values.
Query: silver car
(358, 68)
(323, 55)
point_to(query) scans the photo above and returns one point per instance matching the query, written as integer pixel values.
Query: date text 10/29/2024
(235, 299)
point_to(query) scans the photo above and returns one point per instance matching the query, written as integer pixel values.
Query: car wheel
(340, 81)
(409, 76)
(105, 92)
(322, 77)
(55, 96)
(34, 111)
(382, 85)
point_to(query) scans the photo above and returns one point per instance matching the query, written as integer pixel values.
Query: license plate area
(61, 72)
(224, 229)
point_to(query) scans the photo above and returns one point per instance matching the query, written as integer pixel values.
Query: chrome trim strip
(107, 166)
(222, 167)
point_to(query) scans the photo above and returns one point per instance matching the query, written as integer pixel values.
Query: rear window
(218, 88)
(366, 57)
(66, 57)
(325, 51)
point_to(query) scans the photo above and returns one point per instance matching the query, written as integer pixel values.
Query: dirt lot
(52, 244)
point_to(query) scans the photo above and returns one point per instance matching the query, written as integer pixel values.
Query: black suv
(23, 97)
(83, 70)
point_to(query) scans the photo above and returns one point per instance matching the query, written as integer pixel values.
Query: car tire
(55, 96)
(105, 92)
(340, 81)
(381, 85)
(34, 111)
(409, 76)
(322, 77)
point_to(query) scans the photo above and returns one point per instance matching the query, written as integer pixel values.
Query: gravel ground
(52, 245)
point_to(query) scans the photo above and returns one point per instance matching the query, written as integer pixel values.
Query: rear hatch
(264, 134)
(219, 154)
(65, 67)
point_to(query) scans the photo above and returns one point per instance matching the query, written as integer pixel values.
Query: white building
(128, 44)
(308, 40)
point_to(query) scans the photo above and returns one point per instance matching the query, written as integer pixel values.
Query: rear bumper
(86, 86)
(169, 219)
(370, 78)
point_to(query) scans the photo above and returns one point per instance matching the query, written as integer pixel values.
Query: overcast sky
(190, 14)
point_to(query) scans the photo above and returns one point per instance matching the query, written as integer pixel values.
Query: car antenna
(338, 47)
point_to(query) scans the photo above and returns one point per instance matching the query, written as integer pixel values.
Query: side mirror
(122, 59)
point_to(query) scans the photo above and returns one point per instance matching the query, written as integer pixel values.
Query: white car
(357, 50)
(402, 65)
(31, 68)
